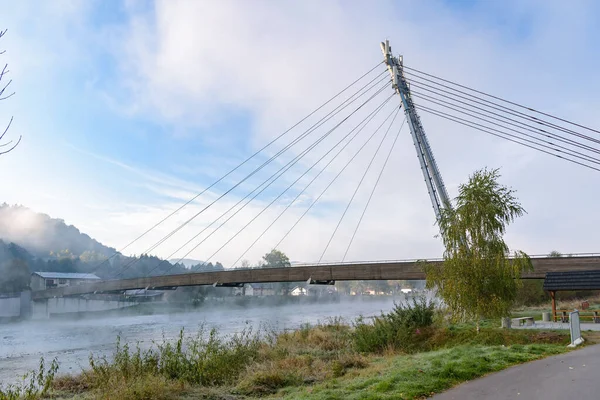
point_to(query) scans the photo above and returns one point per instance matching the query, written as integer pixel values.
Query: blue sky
(127, 109)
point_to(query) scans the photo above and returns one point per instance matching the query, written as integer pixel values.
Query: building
(299, 291)
(260, 289)
(47, 280)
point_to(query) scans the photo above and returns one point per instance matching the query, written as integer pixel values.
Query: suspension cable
(300, 177)
(373, 191)
(560, 149)
(453, 94)
(323, 120)
(304, 189)
(552, 144)
(506, 101)
(272, 179)
(358, 186)
(510, 121)
(510, 140)
(238, 166)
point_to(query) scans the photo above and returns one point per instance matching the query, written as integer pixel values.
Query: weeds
(206, 359)
(35, 384)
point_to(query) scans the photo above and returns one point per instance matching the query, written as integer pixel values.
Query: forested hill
(31, 242)
(43, 236)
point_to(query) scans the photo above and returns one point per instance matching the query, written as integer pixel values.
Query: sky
(128, 109)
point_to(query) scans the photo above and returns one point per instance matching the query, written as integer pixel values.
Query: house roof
(572, 280)
(65, 275)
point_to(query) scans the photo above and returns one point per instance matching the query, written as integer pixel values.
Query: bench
(529, 321)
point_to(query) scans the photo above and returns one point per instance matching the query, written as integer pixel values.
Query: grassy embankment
(408, 353)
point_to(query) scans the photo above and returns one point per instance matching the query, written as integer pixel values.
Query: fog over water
(71, 340)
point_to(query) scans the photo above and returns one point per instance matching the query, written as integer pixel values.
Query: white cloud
(279, 60)
(189, 64)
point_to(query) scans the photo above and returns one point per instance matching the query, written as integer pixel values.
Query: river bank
(407, 353)
(71, 340)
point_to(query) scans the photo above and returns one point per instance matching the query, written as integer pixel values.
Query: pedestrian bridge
(316, 273)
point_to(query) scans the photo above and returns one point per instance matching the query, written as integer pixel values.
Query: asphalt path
(574, 375)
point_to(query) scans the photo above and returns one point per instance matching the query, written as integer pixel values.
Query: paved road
(574, 375)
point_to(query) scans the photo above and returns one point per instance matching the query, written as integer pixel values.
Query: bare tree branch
(12, 148)
(3, 97)
(6, 130)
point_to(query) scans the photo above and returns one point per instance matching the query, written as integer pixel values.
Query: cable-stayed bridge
(311, 274)
(325, 144)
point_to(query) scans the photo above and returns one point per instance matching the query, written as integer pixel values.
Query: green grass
(421, 375)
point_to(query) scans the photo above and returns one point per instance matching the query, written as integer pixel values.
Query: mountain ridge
(42, 235)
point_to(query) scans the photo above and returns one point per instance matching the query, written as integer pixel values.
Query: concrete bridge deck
(379, 270)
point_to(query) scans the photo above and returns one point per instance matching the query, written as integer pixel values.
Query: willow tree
(479, 277)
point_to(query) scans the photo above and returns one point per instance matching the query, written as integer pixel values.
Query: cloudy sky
(128, 109)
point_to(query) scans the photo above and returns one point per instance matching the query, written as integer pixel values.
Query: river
(72, 340)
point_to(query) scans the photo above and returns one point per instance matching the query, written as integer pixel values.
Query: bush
(404, 328)
(532, 293)
(206, 359)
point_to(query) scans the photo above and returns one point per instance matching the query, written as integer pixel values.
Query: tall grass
(206, 359)
(36, 384)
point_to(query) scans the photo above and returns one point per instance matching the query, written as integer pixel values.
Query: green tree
(344, 287)
(555, 253)
(381, 287)
(479, 278)
(15, 276)
(277, 259)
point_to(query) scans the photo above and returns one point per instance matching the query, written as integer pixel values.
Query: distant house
(260, 289)
(47, 280)
(299, 291)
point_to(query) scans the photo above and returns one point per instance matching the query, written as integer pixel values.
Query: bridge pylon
(431, 173)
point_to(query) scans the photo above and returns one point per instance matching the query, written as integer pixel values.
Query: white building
(47, 280)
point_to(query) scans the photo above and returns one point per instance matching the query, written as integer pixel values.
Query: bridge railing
(396, 261)
(409, 260)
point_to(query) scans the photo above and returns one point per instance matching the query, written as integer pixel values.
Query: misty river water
(72, 340)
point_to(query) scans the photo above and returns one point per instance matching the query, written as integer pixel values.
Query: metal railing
(396, 261)
(409, 260)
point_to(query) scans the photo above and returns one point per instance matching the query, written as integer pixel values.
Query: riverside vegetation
(410, 352)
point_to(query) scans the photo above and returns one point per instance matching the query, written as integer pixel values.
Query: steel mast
(431, 173)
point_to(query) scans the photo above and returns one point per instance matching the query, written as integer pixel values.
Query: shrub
(403, 328)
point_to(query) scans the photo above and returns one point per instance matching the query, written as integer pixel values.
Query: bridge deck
(388, 270)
